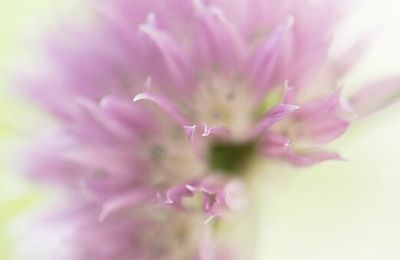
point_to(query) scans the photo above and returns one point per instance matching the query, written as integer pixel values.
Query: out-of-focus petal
(218, 42)
(305, 159)
(274, 115)
(376, 96)
(164, 50)
(275, 145)
(122, 201)
(262, 66)
(165, 104)
(323, 119)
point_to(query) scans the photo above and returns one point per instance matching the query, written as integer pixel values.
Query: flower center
(231, 158)
(225, 103)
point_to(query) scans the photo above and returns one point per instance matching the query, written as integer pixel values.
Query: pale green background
(345, 211)
(18, 20)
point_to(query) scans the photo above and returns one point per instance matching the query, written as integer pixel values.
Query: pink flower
(163, 108)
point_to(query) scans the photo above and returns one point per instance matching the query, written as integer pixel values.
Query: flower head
(164, 108)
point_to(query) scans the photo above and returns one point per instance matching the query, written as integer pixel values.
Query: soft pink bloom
(164, 105)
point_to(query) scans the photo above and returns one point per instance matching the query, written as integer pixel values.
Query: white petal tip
(140, 96)
(190, 188)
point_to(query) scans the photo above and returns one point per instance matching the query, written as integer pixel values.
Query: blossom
(163, 109)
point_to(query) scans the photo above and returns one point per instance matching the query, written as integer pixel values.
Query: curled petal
(204, 131)
(215, 130)
(174, 196)
(123, 201)
(190, 131)
(215, 196)
(165, 104)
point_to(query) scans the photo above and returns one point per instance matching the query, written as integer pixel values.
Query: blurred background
(336, 210)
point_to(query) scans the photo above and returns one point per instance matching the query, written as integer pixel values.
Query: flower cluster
(164, 107)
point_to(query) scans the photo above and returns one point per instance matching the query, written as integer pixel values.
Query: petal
(45, 162)
(175, 195)
(306, 159)
(219, 44)
(322, 120)
(321, 107)
(165, 104)
(123, 201)
(210, 189)
(274, 115)
(175, 62)
(215, 130)
(275, 145)
(102, 158)
(327, 130)
(376, 96)
(190, 131)
(93, 112)
(135, 118)
(262, 65)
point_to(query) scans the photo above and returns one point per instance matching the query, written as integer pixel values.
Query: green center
(231, 158)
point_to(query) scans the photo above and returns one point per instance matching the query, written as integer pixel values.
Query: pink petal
(175, 61)
(215, 130)
(327, 130)
(122, 201)
(310, 158)
(262, 66)
(321, 107)
(98, 116)
(322, 120)
(218, 43)
(275, 145)
(135, 118)
(274, 115)
(165, 104)
(190, 131)
(376, 96)
(211, 190)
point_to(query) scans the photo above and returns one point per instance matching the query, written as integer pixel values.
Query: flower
(164, 108)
